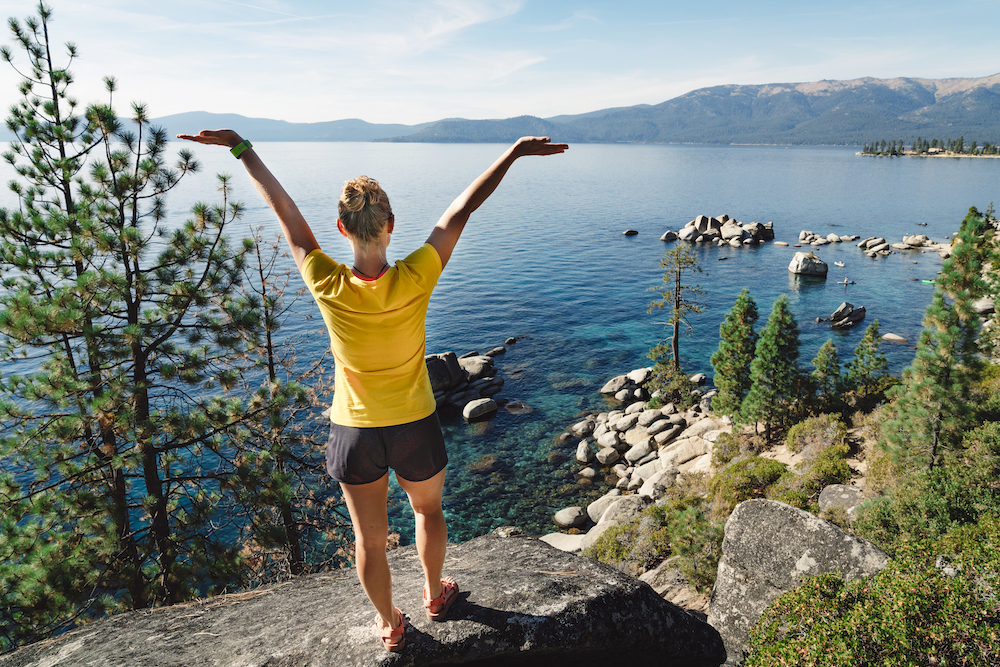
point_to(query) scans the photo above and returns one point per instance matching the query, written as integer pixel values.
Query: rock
(593, 534)
(635, 408)
(629, 232)
(582, 428)
(872, 243)
(607, 456)
(478, 366)
(478, 408)
(584, 454)
(731, 230)
(668, 236)
(510, 341)
(648, 417)
(623, 395)
(647, 470)
(833, 238)
(615, 384)
(598, 507)
(703, 426)
(609, 439)
(841, 495)
(878, 248)
(852, 318)
(894, 338)
(684, 450)
(444, 371)
(496, 351)
(570, 517)
(807, 264)
(699, 464)
(517, 407)
(984, 306)
(484, 464)
(656, 486)
(688, 234)
(671, 585)
(639, 451)
(640, 376)
(622, 510)
(564, 541)
(842, 311)
(523, 602)
(769, 548)
(699, 379)
(588, 473)
(781, 243)
(620, 470)
(626, 422)
(667, 434)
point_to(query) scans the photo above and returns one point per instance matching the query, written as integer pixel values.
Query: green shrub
(912, 613)
(635, 546)
(801, 487)
(697, 540)
(816, 433)
(727, 447)
(746, 479)
(673, 385)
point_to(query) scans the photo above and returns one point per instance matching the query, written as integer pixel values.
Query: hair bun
(364, 207)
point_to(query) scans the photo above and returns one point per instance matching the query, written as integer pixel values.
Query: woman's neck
(369, 260)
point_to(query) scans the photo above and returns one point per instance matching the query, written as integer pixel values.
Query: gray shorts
(362, 455)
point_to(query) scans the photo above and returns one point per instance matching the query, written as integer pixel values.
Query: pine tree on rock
(677, 298)
(867, 371)
(731, 361)
(774, 372)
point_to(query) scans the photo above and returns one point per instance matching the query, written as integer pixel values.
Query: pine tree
(933, 407)
(826, 379)
(774, 372)
(867, 371)
(731, 361)
(677, 298)
(123, 338)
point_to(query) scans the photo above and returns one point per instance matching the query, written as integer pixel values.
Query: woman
(383, 414)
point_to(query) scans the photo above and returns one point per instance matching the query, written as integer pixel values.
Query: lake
(545, 259)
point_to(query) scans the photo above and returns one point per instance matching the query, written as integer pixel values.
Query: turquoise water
(545, 259)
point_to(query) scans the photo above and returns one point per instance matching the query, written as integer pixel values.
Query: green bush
(697, 540)
(681, 526)
(912, 613)
(929, 504)
(816, 433)
(746, 479)
(727, 447)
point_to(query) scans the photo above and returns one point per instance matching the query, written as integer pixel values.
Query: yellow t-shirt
(377, 334)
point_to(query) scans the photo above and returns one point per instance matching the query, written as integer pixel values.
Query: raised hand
(539, 146)
(214, 137)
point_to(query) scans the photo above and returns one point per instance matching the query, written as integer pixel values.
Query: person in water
(383, 414)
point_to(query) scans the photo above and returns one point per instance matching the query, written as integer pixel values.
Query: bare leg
(367, 505)
(431, 529)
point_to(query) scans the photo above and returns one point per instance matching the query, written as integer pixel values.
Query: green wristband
(238, 149)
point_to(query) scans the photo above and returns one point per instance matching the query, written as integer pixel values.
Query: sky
(403, 61)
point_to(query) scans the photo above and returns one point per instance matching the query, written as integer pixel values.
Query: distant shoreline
(913, 154)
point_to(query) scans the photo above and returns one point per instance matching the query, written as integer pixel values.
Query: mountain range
(821, 112)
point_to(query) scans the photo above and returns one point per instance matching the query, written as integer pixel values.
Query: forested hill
(823, 112)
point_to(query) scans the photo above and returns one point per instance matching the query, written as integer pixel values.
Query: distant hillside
(263, 129)
(823, 112)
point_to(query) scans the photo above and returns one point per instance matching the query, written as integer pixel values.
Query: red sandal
(392, 638)
(438, 608)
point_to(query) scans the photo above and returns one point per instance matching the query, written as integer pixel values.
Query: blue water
(545, 258)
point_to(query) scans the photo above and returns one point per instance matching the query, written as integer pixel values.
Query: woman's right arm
(294, 227)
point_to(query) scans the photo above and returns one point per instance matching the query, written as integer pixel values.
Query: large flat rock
(523, 603)
(771, 548)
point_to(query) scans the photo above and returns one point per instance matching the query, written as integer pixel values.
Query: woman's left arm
(445, 234)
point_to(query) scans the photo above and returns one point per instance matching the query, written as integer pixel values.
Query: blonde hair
(364, 209)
